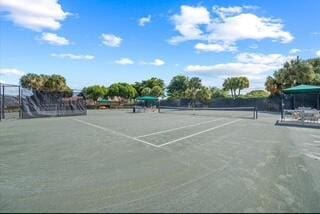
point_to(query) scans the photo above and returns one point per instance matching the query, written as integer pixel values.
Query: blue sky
(106, 41)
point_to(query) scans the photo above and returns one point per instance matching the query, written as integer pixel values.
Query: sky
(106, 41)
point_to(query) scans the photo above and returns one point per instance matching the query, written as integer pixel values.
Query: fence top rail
(8, 85)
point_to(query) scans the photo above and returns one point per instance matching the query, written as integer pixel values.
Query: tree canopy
(122, 90)
(177, 86)
(95, 92)
(47, 83)
(293, 73)
(235, 85)
(257, 94)
(151, 87)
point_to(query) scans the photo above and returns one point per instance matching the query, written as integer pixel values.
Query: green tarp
(148, 98)
(303, 89)
(104, 101)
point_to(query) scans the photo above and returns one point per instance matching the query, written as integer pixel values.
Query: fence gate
(10, 101)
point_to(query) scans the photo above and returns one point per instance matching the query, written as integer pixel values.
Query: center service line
(195, 134)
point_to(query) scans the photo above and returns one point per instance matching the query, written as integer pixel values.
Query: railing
(301, 115)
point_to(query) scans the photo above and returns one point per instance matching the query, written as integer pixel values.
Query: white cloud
(252, 65)
(11, 71)
(201, 47)
(223, 31)
(270, 59)
(73, 56)
(188, 22)
(247, 26)
(227, 11)
(124, 61)
(294, 51)
(54, 39)
(111, 40)
(144, 20)
(246, 64)
(34, 14)
(318, 53)
(2, 81)
(157, 62)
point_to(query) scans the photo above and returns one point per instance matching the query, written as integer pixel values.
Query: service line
(198, 133)
(174, 129)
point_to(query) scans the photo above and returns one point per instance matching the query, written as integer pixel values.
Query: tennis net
(234, 112)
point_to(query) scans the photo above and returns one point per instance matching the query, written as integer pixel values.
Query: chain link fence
(17, 102)
(270, 104)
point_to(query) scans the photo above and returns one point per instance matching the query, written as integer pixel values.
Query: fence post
(2, 103)
(20, 106)
(256, 112)
(282, 107)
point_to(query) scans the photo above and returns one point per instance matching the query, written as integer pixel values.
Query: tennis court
(119, 161)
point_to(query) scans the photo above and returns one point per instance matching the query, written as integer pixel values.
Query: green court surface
(117, 161)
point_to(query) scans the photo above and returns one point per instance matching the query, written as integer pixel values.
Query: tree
(235, 84)
(191, 94)
(96, 91)
(122, 90)
(231, 84)
(294, 72)
(138, 87)
(150, 83)
(33, 81)
(146, 91)
(177, 87)
(273, 86)
(157, 91)
(46, 83)
(243, 83)
(257, 94)
(217, 92)
(204, 95)
(194, 82)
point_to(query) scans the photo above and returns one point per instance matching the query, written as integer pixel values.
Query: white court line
(195, 134)
(183, 127)
(117, 133)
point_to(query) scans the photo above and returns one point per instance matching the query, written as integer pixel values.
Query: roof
(303, 89)
(147, 98)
